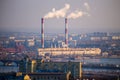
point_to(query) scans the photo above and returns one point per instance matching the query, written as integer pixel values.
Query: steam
(61, 13)
(87, 6)
(58, 13)
(77, 14)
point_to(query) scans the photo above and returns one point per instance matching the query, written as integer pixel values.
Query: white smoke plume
(87, 6)
(77, 14)
(58, 13)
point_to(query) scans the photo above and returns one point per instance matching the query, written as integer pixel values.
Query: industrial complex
(64, 50)
(44, 66)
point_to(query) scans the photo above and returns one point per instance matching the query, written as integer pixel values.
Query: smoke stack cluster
(61, 13)
(42, 32)
(66, 32)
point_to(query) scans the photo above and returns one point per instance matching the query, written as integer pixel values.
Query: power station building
(69, 51)
(64, 50)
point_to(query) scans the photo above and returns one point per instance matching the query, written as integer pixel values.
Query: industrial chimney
(66, 32)
(42, 32)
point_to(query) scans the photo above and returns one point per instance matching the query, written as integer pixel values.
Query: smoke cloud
(77, 14)
(87, 6)
(63, 11)
(58, 13)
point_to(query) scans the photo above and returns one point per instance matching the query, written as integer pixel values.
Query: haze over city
(59, 40)
(94, 15)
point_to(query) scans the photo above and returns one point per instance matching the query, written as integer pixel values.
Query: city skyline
(25, 16)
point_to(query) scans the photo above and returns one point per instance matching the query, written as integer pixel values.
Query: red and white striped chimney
(42, 32)
(66, 32)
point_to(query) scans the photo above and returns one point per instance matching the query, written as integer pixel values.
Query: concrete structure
(31, 42)
(40, 70)
(69, 51)
(61, 67)
(51, 70)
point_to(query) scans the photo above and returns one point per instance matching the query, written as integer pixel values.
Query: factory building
(31, 42)
(40, 70)
(65, 50)
(69, 51)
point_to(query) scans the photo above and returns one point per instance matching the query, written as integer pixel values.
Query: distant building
(8, 67)
(69, 51)
(38, 69)
(31, 42)
(115, 37)
(72, 43)
(12, 37)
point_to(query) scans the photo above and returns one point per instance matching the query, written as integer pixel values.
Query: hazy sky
(25, 15)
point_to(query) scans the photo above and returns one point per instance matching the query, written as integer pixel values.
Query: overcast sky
(25, 15)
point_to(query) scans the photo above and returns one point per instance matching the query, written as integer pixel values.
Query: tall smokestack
(66, 32)
(42, 32)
